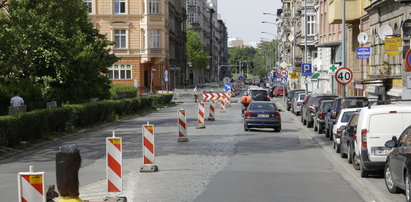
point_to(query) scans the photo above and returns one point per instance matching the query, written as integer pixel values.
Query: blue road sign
(283, 80)
(306, 69)
(175, 68)
(240, 78)
(227, 86)
(363, 52)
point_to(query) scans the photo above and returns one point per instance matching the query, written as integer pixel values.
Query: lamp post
(211, 10)
(343, 44)
(305, 43)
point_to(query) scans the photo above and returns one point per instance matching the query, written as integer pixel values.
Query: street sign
(284, 73)
(408, 59)
(307, 69)
(406, 27)
(166, 73)
(315, 76)
(392, 46)
(294, 75)
(240, 78)
(333, 68)
(363, 53)
(227, 86)
(343, 75)
(283, 64)
(175, 68)
(284, 80)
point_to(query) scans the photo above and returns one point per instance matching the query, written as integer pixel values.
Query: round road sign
(408, 59)
(284, 73)
(343, 75)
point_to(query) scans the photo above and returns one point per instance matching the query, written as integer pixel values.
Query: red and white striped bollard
(222, 106)
(31, 186)
(182, 125)
(114, 159)
(149, 153)
(200, 117)
(211, 116)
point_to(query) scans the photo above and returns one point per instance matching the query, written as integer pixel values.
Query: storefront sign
(392, 46)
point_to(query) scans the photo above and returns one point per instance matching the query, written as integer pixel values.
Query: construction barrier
(228, 98)
(31, 186)
(200, 117)
(212, 96)
(148, 149)
(182, 125)
(222, 106)
(114, 159)
(211, 116)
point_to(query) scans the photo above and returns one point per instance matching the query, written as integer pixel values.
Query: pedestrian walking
(16, 101)
(195, 94)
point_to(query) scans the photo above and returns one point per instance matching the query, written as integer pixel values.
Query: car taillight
(248, 114)
(277, 115)
(364, 138)
(334, 115)
(298, 104)
(311, 108)
(339, 131)
(321, 116)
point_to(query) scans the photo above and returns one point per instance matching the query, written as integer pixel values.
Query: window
(89, 5)
(120, 38)
(119, 72)
(311, 25)
(119, 6)
(154, 38)
(154, 6)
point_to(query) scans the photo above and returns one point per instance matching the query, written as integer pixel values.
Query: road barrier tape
(200, 117)
(182, 126)
(222, 106)
(31, 186)
(114, 159)
(148, 149)
(211, 116)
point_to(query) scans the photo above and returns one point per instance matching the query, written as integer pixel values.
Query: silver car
(296, 103)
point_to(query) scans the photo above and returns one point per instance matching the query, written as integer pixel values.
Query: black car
(261, 114)
(338, 104)
(320, 114)
(311, 106)
(397, 171)
(259, 95)
(348, 138)
(290, 97)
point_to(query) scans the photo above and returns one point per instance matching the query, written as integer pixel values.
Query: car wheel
(304, 122)
(407, 187)
(310, 124)
(277, 129)
(364, 173)
(355, 161)
(315, 126)
(331, 134)
(349, 155)
(320, 129)
(389, 182)
(327, 132)
(245, 127)
(342, 154)
(288, 108)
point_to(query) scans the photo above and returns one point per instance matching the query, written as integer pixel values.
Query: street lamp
(211, 10)
(268, 33)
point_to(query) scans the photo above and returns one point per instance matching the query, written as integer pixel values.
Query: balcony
(354, 10)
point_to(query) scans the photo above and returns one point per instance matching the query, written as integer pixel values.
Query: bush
(118, 91)
(38, 124)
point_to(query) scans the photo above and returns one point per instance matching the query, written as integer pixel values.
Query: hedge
(38, 124)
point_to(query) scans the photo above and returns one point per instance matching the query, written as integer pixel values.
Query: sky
(243, 18)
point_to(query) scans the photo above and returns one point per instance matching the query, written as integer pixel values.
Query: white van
(376, 125)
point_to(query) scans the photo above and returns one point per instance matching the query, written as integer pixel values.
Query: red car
(279, 91)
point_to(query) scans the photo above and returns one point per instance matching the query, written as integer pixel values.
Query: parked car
(338, 104)
(290, 97)
(280, 91)
(340, 126)
(297, 102)
(320, 114)
(348, 138)
(262, 114)
(397, 171)
(310, 106)
(376, 125)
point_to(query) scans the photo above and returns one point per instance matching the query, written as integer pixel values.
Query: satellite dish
(291, 37)
(362, 38)
(384, 31)
(284, 39)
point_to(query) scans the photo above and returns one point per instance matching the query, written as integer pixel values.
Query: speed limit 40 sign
(343, 75)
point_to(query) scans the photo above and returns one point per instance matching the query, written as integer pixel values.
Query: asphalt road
(219, 163)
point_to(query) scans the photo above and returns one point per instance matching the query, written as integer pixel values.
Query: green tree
(240, 54)
(195, 53)
(54, 44)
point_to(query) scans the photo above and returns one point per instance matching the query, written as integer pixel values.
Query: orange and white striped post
(148, 149)
(222, 106)
(114, 159)
(31, 186)
(228, 101)
(200, 117)
(182, 125)
(211, 116)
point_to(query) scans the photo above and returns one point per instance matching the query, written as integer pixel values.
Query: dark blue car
(262, 114)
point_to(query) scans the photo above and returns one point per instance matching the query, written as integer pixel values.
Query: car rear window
(280, 88)
(261, 106)
(327, 106)
(346, 116)
(302, 96)
(258, 92)
(348, 103)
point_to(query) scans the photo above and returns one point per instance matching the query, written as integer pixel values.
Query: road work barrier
(182, 126)
(148, 149)
(114, 160)
(222, 106)
(31, 186)
(200, 117)
(211, 116)
(212, 96)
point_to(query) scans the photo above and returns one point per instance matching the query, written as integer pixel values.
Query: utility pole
(211, 39)
(305, 43)
(344, 93)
